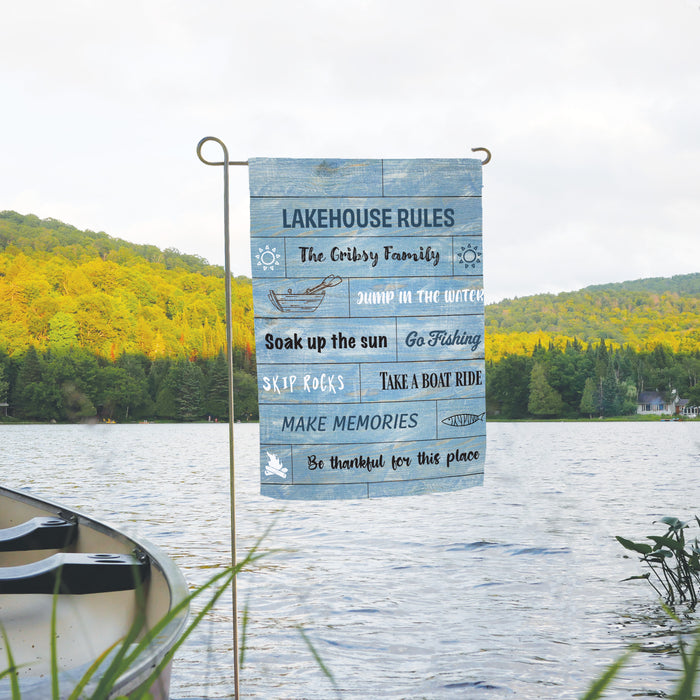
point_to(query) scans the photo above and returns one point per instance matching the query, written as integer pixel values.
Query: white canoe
(103, 576)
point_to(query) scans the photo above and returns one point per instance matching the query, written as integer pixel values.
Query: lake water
(510, 590)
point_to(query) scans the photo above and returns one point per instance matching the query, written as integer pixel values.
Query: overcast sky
(591, 109)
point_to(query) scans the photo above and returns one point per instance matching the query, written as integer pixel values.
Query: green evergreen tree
(610, 394)
(190, 396)
(589, 400)
(136, 402)
(507, 386)
(32, 397)
(216, 400)
(166, 393)
(628, 397)
(245, 389)
(602, 360)
(118, 390)
(61, 372)
(543, 401)
(4, 389)
(693, 395)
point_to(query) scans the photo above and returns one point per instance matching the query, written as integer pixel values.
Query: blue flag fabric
(369, 326)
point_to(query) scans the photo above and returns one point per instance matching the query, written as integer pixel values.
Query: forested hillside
(640, 314)
(593, 351)
(93, 326)
(60, 287)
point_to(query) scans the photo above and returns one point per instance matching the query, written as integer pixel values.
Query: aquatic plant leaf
(666, 542)
(660, 555)
(674, 523)
(639, 547)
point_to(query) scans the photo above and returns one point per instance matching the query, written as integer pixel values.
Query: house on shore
(656, 403)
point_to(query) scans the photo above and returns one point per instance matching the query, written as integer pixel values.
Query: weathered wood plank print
(369, 326)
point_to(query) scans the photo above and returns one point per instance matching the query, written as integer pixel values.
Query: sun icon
(469, 256)
(268, 258)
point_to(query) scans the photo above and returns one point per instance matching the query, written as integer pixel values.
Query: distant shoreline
(489, 419)
(607, 419)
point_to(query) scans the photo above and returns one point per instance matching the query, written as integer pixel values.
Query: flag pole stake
(229, 356)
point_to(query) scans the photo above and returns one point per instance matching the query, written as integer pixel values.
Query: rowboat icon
(307, 301)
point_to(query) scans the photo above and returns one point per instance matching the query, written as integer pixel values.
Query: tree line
(596, 380)
(32, 235)
(74, 385)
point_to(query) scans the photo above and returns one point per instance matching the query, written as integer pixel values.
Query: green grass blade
(11, 668)
(251, 557)
(691, 663)
(77, 691)
(173, 650)
(131, 647)
(227, 575)
(244, 634)
(119, 664)
(154, 631)
(114, 670)
(52, 641)
(598, 687)
(671, 612)
(317, 658)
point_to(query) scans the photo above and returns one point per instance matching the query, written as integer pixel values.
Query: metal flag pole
(229, 352)
(229, 357)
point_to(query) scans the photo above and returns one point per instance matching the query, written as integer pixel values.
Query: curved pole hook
(488, 154)
(226, 161)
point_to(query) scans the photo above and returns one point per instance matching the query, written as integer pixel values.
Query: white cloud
(590, 110)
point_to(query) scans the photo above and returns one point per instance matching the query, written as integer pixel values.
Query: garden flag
(369, 326)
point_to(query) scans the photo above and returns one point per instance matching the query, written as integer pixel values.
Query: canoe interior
(86, 625)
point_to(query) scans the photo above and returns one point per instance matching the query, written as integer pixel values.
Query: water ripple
(510, 590)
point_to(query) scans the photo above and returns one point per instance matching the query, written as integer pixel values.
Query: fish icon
(461, 419)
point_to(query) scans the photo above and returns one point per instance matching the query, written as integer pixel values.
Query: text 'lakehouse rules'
(369, 326)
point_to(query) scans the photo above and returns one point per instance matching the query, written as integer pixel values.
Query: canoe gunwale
(170, 574)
